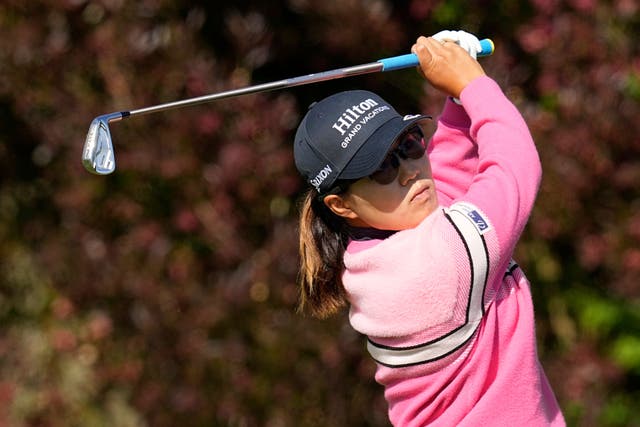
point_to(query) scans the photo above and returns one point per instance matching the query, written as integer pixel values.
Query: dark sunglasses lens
(412, 146)
(387, 172)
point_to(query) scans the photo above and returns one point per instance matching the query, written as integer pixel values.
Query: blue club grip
(486, 47)
(411, 59)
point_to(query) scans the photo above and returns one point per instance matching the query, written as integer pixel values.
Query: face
(400, 204)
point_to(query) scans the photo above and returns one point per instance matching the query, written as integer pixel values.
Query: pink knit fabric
(413, 287)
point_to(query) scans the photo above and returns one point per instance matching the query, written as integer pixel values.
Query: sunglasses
(409, 145)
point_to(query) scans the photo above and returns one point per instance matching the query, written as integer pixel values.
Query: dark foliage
(165, 294)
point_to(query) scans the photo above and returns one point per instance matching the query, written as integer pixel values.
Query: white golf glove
(465, 40)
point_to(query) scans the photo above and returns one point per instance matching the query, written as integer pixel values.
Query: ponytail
(323, 239)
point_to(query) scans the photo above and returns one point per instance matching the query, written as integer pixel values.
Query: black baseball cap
(347, 136)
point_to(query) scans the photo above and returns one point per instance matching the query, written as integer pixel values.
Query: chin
(428, 210)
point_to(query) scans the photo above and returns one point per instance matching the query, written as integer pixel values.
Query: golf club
(98, 155)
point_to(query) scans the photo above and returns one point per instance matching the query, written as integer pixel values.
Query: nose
(408, 170)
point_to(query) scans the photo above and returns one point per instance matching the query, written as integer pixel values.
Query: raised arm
(453, 153)
(508, 170)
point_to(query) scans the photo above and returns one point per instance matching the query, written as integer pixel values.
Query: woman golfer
(417, 239)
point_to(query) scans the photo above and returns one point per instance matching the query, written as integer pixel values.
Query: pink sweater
(456, 346)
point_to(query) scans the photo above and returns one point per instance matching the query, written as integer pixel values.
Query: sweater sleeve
(508, 171)
(453, 153)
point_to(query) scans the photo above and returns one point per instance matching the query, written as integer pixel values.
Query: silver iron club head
(98, 156)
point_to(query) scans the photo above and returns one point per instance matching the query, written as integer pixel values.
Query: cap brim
(373, 152)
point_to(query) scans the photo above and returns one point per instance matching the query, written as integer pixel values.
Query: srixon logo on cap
(320, 177)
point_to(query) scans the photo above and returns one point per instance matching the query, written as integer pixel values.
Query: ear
(339, 206)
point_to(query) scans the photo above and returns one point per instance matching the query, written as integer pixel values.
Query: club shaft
(371, 67)
(98, 155)
(386, 64)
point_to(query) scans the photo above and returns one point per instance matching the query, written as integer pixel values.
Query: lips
(420, 191)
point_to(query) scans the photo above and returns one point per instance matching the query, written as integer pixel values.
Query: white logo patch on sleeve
(479, 219)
